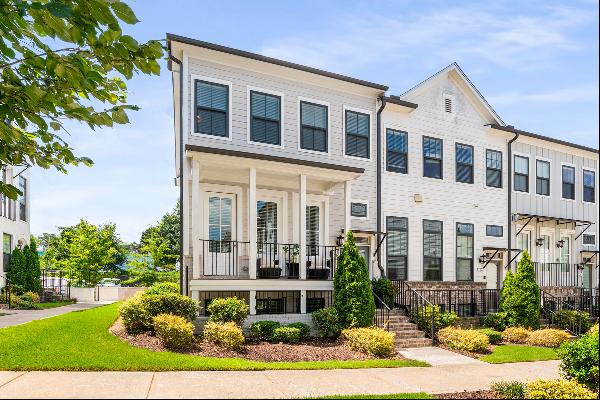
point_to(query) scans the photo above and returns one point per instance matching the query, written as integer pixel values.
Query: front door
(220, 250)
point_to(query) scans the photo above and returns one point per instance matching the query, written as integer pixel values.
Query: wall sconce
(539, 242)
(560, 244)
(482, 259)
(339, 240)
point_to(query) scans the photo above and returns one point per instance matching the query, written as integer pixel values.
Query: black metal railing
(318, 299)
(551, 305)
(321, 261)
(557, 274)
(278, 302)
(419, 310)
(205, 298)
(277, 260)
(5, 291)
(224, 258)
(381, 318)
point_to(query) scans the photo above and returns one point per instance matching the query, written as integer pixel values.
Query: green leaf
(55, 125)
(59, 10)
(124, 12)
(119, 116)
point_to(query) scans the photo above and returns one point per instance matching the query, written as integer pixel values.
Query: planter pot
(293, 270)
(269, 273)
(317, 273)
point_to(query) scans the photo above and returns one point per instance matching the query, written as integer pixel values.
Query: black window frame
(591, 189)
(472, 258)
(356, 135)
(440, 258)
(314, 128)
(403, 154)
(519, 174)
(493, 170)
(210, 109)
(265, 119)
(440, 160)
(352, 203)
(588, 235)
(458, 164)
(568, 184)
(539, 180)
(400, 274)
(23, 199)
(489, 233)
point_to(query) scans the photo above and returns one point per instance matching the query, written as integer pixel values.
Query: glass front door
(220, 249)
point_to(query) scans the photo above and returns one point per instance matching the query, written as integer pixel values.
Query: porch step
(412, 334)
(416, 342)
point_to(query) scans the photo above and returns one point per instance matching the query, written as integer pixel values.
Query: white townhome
(276, 160)
(14, 215)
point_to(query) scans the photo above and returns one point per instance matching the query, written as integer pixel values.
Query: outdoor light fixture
(539, 242)
(339, 240)
(560, 243)
(482, 259)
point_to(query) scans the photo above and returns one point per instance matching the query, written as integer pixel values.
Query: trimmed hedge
(547, 337)
(567, 319)
(557, 389)
(464, 339)
(286, 334)
(230, 309)
(515, 335)
(174, 331)
(494, 337)
(163, 288)
(304, 329)
(327, 322)
(227, 335)
(373, 341)
(264, 329)
(496, 321)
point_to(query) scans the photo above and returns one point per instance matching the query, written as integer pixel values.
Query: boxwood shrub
(230, 309)
(227, 335)
(464, 339)
(304, 329)
(494, 337)
(373, 341)
(286, 334)
(327, 322)
(174, 331)
(580, 360)
(264, 329)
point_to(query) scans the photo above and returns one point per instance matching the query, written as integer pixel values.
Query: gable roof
(457, 71)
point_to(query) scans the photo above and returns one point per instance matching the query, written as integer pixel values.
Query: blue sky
(536, 62)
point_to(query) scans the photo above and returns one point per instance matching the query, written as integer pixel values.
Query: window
(23, 199)
(521, 174)
(523, 241)
(6, 250)
(565, 250)
(464, 163)
(212, 102)
(397, 248)
(542, 178)
(432, 157)
(397, 151)
(493, 168)
(270, 306)
(265, 126)
(589, 240)
(357, 134)
(266, 222)
(589, 186)
(220, 210)
(359, 210)
(313, 126)
(464, 252)
(432, 250)
(568, 182)
(312, 230)
(494, 230)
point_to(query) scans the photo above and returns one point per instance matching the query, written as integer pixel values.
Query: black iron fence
(318, 299)
(558, 274)
(224, 258)
(574, 322)
(321, 261)
(381, 318)
(278, 302)
(277, 260)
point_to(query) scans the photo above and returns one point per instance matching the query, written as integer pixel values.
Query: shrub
(509, 390)
(136, 318)
(373, 341)
(494, 337)
(580, 360)
(521, 296)
(21, 302)
(163, 288)
(173, 331)
(594, 329)
(384, 289)
(230, 309)
(286, 334)
(515, 335)
(264, 329)
(496, 321)
(327, 323)
(558, 389)
(422, 317)
(463, 339)
(228, 335)
(304, 329)
(569, 319)
(547, 337)
(352, 294)
(31, 297)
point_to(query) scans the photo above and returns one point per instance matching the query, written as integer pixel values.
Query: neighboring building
(14, 215)
(279, 160)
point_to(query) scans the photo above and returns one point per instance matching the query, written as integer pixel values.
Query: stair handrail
(575, 330)
(385, 312)
(426, 303)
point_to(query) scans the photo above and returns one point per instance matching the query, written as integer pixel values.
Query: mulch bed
(314, 349)
(480, 394)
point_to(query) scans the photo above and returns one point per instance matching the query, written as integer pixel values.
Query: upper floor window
(568, 182)
(6, 250)
(521, 174)
(589, 186)
(542, 177)
(313, 126)
(357, 134)
(494, 230)
(359, 209)
(212, 105)
(589, 239)
(265, 126)
(464, 163)
(464, 252)
(397, 151)
(432, 250)
(23, 199)
(493, 168)
(432, 157)
(397, 247)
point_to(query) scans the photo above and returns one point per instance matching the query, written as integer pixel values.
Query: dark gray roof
(397, 100)
(541, 137)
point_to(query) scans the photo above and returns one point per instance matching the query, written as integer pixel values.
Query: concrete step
(402, 326)
(417, 342)
(409, 335)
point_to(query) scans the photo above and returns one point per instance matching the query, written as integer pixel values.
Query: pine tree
(521, 296)
(352, 295)
(32, 267)
(17, 273)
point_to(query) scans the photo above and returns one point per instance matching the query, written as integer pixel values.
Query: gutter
(379, 175)
(509, 192)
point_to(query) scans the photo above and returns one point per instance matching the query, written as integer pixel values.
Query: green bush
(521, 296)
(304, 329)
(286, 334)
(569, 319)
(136, 318)
(558, 389)
(463, 339)
(580, 360)
(173, 331)
(494, 337)
(422, 317)
(230, 309)
(509, 390)
(163, 288)
(547, 337)
(264, 329)
(515, 335)
(227, 334)
(327, 322)
(22, 302)
(373, 341)
(384, 289)
(352, 294)
(495, 321)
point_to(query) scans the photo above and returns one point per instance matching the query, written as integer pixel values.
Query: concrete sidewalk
(267, 384)
(18, 317)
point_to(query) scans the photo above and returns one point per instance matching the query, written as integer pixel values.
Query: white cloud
(585, 93)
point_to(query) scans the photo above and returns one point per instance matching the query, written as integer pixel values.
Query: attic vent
(448, 105)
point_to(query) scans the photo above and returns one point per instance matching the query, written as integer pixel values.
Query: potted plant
(292, 251)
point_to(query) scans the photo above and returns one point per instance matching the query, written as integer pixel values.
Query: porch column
(252, 302)
(302, 227)
(347, 201)
(196, 219)
(252, 222)
(303, 301)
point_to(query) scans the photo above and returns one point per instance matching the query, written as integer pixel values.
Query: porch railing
(277, 260)
(321, 261)
(551, 305)
(557, 274)
(224, 258)
(381, 318)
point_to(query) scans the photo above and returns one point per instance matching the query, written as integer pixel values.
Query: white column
(252, 222)
(303, 301)
(196, 219)
(302, 225)
(185, 204)
(252, 302)
(347, 201)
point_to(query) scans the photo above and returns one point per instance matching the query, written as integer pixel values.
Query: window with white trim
(211, 108)
(493, 166)
(494, 230)
(265, 111)
(568, 182)
(359, 209)
(589, 186)
(521, 176)
(313, 126)
(357, 134)
(542, 177)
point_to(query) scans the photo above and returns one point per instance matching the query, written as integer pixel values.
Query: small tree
(17, 273)
(521, 296)
(32, 267)
(352, 296)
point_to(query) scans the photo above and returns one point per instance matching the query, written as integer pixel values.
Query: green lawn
(80, 341)
(53, 304)
(380, 396)
(510, 353)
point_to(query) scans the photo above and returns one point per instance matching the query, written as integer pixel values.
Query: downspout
(509, 192)
(379, 176)
(181, 266)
